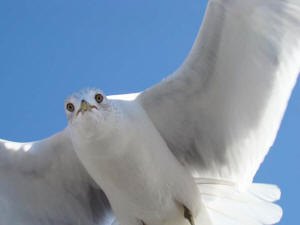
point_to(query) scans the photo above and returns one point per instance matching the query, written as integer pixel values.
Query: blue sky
(49, 49)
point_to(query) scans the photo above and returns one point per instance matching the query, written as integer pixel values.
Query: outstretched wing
(43, 183)
(220, 111)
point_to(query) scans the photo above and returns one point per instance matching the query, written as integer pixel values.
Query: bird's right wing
(43, 183)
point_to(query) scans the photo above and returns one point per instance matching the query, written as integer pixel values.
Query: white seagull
(182, 152)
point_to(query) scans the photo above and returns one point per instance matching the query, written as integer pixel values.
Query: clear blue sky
(49, 49)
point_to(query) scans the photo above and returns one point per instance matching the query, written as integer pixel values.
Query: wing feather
(44, 183)
(220, 111)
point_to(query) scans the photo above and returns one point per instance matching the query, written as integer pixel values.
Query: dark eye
(70, 107)
(98, 98)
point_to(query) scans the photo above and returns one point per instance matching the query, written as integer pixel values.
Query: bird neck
(104, 136)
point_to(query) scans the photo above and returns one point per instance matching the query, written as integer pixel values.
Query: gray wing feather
(43, 183)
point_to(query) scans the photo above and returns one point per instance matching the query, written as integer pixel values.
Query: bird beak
(85, 106)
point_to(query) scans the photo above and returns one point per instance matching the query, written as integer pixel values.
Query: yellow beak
(85, 106)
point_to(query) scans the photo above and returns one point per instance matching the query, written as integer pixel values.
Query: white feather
(44, 183)
(220, 111)
(249, 207)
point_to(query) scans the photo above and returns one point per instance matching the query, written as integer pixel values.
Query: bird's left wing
(43, 183)
(220, 111)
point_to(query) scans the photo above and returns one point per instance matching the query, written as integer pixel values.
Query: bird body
(133, 165)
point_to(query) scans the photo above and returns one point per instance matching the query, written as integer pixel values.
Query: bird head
(89, 102)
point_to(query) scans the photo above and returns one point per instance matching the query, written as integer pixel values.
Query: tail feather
(227, 205)
(267, 192)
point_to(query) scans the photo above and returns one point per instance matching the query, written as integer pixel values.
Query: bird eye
(98, 98)
(70, 107)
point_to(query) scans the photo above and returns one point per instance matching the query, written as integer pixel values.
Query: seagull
(182, 152)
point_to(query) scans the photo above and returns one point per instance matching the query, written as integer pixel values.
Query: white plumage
(196, 139)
